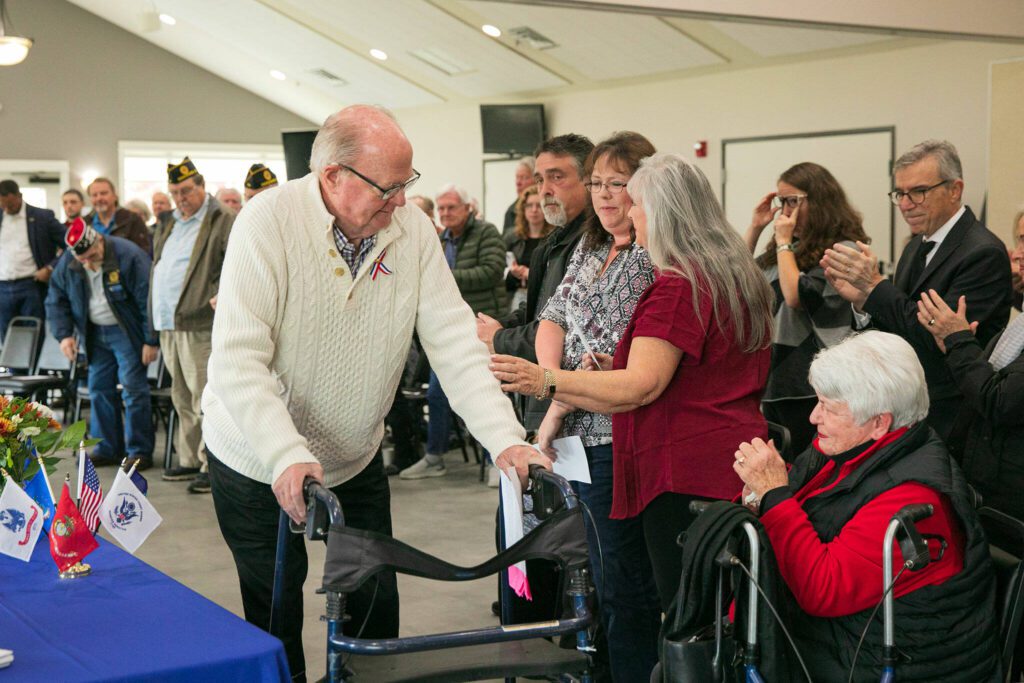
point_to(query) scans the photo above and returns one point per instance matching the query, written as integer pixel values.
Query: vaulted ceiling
(314, 56)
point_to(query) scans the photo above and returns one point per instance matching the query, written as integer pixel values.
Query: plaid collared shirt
(348, 251)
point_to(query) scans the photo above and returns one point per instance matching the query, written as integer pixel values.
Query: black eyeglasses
(792, 201)
(916, 196)
(614, 186)
(386, 193)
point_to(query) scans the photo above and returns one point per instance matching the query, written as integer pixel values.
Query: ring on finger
(932, 321)
(741, 460)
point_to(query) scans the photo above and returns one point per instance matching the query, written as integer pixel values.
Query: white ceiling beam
(990, 20)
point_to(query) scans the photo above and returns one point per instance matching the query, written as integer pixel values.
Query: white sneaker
(422, 470)
(493, 477)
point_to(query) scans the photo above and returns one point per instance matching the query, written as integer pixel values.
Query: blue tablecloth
(127, 621)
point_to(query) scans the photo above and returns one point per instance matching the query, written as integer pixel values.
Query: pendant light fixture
(13, 49)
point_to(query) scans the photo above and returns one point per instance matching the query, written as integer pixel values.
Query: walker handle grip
(915, 512)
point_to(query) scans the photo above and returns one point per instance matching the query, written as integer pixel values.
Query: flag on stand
(21, 521)
(38, 487)
(126, 514)
(90, 493)
(140, 481)
(70, 538)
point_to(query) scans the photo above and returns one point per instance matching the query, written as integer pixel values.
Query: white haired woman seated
(827, 516)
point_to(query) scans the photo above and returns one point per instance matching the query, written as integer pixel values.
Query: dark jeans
(20, 297)
(247, 513)
(626, 591)
(114, 359)
(404, 423)
(439, 418)
(664, 519)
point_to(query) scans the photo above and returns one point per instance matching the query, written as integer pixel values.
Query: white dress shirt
(16, 260)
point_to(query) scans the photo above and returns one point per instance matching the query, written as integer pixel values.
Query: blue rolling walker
(505, 651)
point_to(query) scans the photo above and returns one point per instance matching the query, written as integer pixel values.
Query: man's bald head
(362, 158)
(352, 131)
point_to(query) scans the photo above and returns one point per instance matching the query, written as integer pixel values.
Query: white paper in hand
(512, 520)
(127, 515)
(571, 462)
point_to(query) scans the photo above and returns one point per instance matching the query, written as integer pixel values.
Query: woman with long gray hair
(687, 376)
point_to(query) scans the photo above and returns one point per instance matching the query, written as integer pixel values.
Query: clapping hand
(938, 318)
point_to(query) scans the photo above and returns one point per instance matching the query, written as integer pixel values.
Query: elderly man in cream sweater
(324, 282)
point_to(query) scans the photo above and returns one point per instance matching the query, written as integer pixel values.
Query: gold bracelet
(547, 388)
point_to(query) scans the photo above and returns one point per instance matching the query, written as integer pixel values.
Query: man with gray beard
(558, 173)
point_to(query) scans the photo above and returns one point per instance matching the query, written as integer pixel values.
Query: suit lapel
(949, 245)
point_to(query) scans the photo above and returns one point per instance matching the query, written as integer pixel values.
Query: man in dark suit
(951, 252)
(30, 239)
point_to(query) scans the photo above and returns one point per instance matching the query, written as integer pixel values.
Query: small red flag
(70, 537)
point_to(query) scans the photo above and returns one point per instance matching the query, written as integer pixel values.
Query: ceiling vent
(442, 61)
(332, 79)
(524, 35)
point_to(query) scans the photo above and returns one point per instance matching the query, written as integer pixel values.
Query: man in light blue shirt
(188, 252)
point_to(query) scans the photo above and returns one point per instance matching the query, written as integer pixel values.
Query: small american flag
(90, 493)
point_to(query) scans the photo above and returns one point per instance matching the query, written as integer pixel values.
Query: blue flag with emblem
(38, 488)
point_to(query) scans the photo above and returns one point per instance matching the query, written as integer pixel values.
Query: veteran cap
(176, 173)
(260, 177)
(80, 236)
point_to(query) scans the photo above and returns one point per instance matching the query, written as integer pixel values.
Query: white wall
(87, 84)
(938, 90)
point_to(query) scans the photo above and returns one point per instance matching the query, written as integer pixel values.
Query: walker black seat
(355, 556)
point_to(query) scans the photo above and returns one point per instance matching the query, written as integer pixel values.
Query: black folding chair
(355, 556)
(53, 372)
(1006, 546)
(21, 346)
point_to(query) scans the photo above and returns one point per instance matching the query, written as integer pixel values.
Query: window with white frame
(143, 165)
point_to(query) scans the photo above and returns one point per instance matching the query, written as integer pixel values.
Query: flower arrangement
(25, 425)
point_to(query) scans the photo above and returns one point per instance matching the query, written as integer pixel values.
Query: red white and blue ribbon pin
(379, 267)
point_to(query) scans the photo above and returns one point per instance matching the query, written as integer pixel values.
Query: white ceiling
(243, 40)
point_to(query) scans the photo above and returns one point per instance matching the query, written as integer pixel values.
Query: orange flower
(53, 424)
(6, 427)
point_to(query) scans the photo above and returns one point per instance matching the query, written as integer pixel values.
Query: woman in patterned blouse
(584, 319)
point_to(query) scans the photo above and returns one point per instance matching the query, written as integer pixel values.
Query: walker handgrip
(915, 512)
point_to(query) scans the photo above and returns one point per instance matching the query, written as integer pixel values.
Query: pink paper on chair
(517, 580)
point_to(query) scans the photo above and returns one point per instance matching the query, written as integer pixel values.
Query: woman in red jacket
(826, 519)
(688, 374)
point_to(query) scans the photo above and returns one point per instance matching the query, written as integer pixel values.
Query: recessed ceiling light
(168, 19)
(279, 75)
(492, 31)
(378, 54)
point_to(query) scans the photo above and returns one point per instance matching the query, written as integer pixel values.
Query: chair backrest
(21, 345)
(51, 357)
(783, 442)
(1006, 546)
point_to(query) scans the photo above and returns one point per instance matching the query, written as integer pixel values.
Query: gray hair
(139, 207)
(943, 151)
(1016, 221)
(340, 139)
(873, 373)
(448, 188)
(688, 234)
(528, 162)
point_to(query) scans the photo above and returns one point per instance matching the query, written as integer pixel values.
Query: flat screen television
(512, 128)
(297, 146)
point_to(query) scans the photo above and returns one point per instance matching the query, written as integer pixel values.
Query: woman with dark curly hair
(811, 213)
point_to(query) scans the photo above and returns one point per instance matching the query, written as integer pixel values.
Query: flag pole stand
(76, 571)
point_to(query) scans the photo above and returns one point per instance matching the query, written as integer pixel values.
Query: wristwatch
(783, 247)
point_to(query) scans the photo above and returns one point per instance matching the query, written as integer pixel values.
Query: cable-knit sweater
(306, 359)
